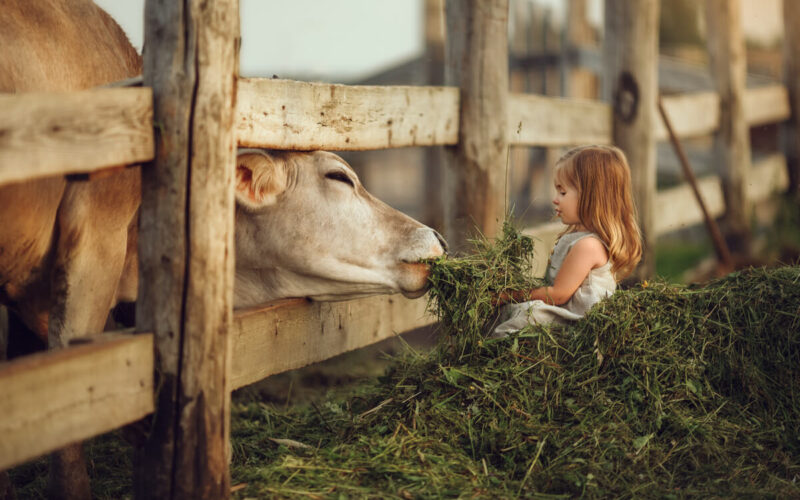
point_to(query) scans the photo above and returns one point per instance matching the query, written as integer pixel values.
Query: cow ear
(260, 179)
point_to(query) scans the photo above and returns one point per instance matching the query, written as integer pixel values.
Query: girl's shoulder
(590, 248)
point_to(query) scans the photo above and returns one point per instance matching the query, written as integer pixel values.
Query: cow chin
(414, 279)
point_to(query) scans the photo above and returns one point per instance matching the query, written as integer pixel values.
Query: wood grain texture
(186, 245)
(59, 133)
(535, 120)
(728, 62)
(791, 78)
(61, 397)
(678, 209)
(292, 333)
(285, 114)
(476, 62)
(630, 51)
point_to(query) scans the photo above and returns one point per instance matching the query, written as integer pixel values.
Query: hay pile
(697, 395)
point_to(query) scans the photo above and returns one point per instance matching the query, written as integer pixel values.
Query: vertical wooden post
(631, 84)
(186, 245)
(580, 82)
(477, 63)
(727, 55)
(791, 78)
(434, 65)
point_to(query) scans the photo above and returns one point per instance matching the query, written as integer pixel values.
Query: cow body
(304, 224)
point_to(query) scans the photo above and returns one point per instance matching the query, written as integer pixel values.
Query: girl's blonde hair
(602, 178)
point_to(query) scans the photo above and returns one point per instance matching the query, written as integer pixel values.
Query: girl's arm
(587, 254)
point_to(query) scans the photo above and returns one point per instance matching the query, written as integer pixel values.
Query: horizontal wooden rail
(55, 398)
(677, 207)
(285, 114)
(59, 133)
(292, 333)
(697, 114)
(535, 120)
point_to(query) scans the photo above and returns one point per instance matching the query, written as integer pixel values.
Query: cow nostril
(441, 240)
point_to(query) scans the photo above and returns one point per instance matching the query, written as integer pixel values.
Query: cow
(305, 226)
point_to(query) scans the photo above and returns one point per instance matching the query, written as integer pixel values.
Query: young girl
(601, 245)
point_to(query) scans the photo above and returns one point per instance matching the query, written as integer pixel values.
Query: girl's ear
(260, 179)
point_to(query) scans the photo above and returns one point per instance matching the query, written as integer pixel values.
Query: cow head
(305, 226)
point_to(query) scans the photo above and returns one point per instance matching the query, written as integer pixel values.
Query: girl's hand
(511, 296)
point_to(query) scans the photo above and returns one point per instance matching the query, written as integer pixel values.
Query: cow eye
(340, 176)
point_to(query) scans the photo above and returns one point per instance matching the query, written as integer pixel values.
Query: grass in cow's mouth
(462, 287)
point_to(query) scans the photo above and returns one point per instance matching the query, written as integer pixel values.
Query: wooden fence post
(434, 65)
(186, 245)
(727, 56)
(791, 78)
(476, 62)
(631, 84)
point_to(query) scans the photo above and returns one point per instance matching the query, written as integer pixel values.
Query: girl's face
(566, 203)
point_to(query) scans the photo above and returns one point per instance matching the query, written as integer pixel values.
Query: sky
(348, 40)
(332, 40)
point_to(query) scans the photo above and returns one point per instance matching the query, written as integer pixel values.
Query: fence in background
(57, 398)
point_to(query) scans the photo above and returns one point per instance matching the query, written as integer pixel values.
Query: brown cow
(304, 224)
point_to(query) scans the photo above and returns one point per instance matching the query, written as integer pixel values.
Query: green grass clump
(661, 391)
(462, 288)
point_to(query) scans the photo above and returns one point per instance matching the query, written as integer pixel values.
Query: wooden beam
(186, 245)
(535, 120)
(791, 77)
(764, 105)
(692, 115)
(476, 62)
(631, 83)
(286, 114)
(66, 132)
(292, 333)
(56, 398)
(698, 113)
(678, 209)
(728, 63)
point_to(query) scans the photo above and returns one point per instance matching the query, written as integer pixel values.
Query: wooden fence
(56, 398)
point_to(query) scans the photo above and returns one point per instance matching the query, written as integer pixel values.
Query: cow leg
(93, 229)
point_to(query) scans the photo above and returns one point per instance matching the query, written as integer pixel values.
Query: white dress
(599, 284)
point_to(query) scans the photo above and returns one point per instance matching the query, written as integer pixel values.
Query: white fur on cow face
(305, 226)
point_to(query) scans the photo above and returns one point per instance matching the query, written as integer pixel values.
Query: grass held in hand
(463, 287)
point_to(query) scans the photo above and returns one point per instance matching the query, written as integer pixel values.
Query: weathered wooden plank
(186, 245)
(535, 120)
(678, 209)
(763, 105)
(698, 113)
(630, 50)
(292, 333)
(476, 62)
(726, 49)
(58, 133)
(284, 114)
(692, 115)
(56, 398)
(791, 77)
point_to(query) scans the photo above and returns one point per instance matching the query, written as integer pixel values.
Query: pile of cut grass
(696, 395)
